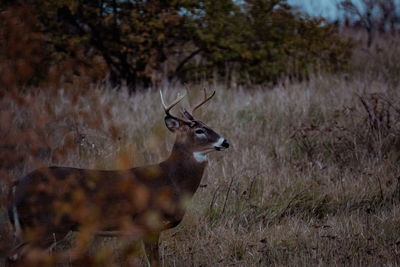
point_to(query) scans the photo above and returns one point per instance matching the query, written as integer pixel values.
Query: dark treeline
(140, 43)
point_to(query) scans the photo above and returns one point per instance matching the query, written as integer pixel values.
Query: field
(312, 176)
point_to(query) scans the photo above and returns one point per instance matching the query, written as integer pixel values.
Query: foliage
(130, 36)
(263, 40)
(21, 48)
(135, 41)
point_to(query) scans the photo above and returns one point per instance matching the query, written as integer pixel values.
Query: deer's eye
(200, 133)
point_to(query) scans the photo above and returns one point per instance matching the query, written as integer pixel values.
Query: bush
(261, 41)
(142, 42)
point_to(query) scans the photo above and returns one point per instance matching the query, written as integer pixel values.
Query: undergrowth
(311, 177)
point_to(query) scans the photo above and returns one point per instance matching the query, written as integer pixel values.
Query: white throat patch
(200, 156)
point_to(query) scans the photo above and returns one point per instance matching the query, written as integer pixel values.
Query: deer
(48, 203)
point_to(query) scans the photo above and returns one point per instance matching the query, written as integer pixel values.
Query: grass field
(311, 177)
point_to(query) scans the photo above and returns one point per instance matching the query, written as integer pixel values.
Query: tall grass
(311, 177)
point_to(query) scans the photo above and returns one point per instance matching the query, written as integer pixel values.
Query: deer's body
(49, 202)
(143, 186)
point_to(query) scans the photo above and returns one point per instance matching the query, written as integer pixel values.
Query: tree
(390, 15)
(259, 41)
(132, 37)
(256, 41)
(373, 15)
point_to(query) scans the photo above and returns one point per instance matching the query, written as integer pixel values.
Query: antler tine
(168, 108)
(204, 101)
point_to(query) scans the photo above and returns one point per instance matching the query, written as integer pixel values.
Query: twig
(280, 215)
(287, 206)
(390, 104)
(229, 189)
(214, 197)
(371, 115)
(227, 194)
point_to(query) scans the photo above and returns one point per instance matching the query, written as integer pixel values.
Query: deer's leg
(151, 249)
(15, 254)
(46, 242)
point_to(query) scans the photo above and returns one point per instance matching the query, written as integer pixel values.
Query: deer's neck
(184, 171)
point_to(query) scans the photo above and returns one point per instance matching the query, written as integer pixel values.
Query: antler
(168, 108)
(190, 119)
(202, 102)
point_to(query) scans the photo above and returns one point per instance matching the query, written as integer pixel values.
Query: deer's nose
(225, 143)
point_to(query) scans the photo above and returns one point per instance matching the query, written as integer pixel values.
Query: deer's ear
(172, 123)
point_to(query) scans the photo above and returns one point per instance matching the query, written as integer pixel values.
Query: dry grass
(310, 178)
(308, 181)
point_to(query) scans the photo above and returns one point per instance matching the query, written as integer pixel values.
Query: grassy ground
(311, 177)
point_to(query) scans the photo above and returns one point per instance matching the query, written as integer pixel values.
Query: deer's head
(193, 135)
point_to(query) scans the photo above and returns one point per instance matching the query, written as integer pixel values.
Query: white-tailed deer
(48, 203)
